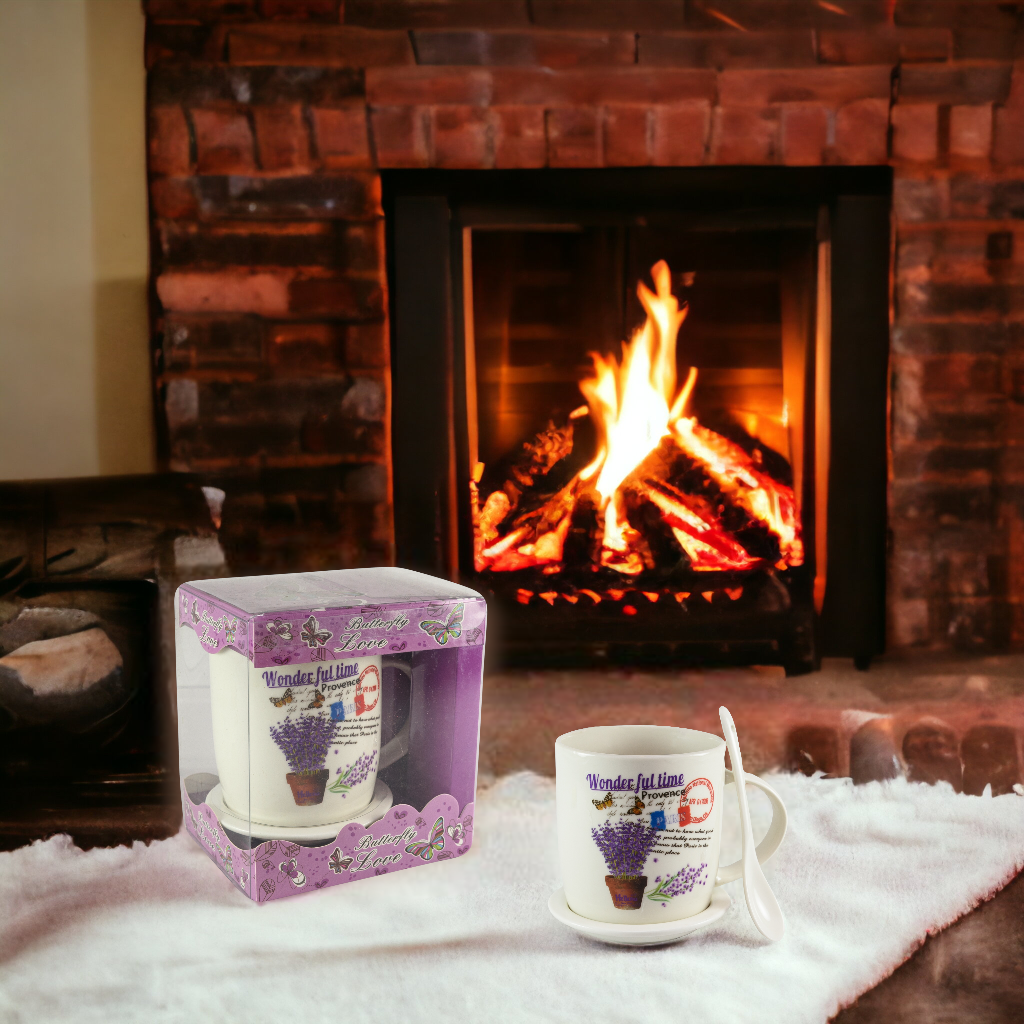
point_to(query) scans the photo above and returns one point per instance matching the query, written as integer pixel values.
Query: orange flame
(635, 404)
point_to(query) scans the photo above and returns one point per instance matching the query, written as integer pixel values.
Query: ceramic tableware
(639, 811)
(761, 901)
(299, 746)
(656, 934)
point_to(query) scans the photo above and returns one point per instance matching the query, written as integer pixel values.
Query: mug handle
(773, 837)
(398, 745)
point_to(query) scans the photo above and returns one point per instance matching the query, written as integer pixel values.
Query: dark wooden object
(107, 545)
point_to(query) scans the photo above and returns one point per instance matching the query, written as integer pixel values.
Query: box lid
(332, 588)
(340, 613)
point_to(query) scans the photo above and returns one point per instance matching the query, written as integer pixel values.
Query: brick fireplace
(270, 121)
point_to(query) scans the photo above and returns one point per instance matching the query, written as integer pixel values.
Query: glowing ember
(636, 502)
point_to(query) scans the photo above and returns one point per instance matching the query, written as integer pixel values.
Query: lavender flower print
(625, 846)
(304, 741)
(354, 774)
(681, 882)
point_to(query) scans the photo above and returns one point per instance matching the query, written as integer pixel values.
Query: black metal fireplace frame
(425, 215)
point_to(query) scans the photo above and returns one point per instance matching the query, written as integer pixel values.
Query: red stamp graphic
(367, 690)
(696, 802)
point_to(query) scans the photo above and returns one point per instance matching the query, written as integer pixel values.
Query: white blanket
(158, 934)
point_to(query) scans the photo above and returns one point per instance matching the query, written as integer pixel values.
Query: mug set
(639, 811)
(299, 748)
(639, 807)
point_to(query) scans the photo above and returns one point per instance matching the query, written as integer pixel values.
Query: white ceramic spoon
(761, 901)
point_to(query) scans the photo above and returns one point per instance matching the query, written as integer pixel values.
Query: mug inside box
(333, 717)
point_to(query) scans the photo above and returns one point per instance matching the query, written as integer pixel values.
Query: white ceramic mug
(640, 821)
(299, 745)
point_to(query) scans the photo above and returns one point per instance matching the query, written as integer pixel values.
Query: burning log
(663, 493)
(527, 468)
(738, 476)
(537, 534)
(698, 531)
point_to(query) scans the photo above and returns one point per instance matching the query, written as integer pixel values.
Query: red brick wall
(268, 120)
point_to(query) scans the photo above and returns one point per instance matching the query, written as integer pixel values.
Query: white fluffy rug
(158, 934)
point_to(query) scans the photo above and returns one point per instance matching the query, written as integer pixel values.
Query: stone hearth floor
(970, 973)
(523, 712)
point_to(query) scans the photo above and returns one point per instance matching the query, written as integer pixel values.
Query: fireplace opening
(616, 400)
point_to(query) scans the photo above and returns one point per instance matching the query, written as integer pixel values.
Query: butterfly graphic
(337, 863)
(602, 804)
(425, 850)
(282, 661)
(400, 814)
(638, 806)
(289, 870)
(281, 629)
(229, 631)
(286, 698)
(316, 702)
(457, 833)
(312, 635)
(441, 631)
(321, 883)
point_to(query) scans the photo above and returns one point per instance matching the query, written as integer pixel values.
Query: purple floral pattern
(681, 882)
(304, 741)
(353, 774)
(258, 871)
(625, 846)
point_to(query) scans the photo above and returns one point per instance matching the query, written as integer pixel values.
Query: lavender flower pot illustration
(627, 893)
(308, 789)
(625, 847)
(304, 741)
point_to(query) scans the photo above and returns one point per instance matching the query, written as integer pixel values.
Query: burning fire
(632, 497)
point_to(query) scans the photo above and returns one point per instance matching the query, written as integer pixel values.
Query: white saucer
(639, 934)
(378, 806)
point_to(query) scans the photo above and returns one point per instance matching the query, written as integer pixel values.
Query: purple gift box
(328, 723)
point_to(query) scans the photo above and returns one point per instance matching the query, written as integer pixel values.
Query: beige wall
(74, 365)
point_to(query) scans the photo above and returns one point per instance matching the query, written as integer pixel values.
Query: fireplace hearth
(662, 436)
(272, 127)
